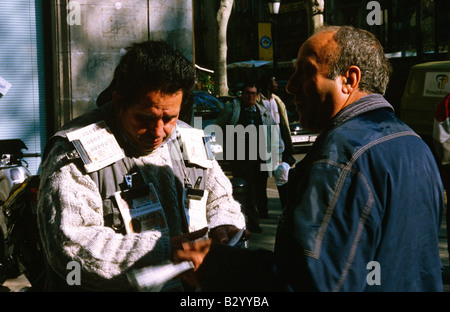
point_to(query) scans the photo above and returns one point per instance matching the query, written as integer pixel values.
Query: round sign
(265, 42)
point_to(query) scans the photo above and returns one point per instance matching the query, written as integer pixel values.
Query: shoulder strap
(193, 175)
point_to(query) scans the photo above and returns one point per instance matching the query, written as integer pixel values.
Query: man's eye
(168, 119)
(149, 118)
(309, 69)
(144, 118)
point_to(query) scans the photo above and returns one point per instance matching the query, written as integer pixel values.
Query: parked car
(427, 85)
(206, 106)
(301, 137)
(226, 99)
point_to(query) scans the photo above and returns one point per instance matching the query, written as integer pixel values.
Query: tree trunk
(314, 11)
(220, 68)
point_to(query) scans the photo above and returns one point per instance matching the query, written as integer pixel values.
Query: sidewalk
(266, 239)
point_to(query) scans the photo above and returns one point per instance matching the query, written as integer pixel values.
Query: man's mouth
(150, 142)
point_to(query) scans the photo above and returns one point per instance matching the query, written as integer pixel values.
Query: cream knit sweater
(70, 217)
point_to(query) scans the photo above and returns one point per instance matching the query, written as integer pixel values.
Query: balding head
(357, 47)
(335, 67)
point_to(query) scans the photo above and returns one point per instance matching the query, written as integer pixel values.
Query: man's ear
(117, 101)
(351, 79)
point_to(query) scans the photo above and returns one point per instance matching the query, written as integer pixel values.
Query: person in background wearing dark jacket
(255, 135)
(365, 204)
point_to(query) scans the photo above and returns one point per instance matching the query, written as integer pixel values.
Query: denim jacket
(365, 207)
(364, 212)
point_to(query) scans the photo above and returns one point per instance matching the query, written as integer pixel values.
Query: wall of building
(90, 36)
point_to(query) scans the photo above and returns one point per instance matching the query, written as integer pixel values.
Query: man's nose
(293, 85)
(289, 87)
(157, 128)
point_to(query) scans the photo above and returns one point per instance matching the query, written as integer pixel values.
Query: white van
(427, 84)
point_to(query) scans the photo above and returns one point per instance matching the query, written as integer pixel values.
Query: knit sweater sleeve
(221, 207)
(71, 224)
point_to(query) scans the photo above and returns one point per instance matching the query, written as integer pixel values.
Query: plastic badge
(143, 211)
(194, 147)
(96, 146)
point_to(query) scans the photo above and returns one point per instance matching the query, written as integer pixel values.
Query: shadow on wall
(98, 43)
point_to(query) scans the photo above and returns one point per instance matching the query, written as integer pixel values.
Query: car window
(206, 107)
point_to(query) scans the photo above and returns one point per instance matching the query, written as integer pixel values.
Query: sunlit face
(150, 122)
(316, 96)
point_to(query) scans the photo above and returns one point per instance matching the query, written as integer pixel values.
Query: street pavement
(266, 240)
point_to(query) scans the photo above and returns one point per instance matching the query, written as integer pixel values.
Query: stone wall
(90, 36)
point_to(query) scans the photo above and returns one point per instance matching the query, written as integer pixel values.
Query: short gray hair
(358, 47)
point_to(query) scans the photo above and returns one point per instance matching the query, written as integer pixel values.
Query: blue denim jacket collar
(365, 104)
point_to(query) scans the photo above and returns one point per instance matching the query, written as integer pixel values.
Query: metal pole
(275, 44)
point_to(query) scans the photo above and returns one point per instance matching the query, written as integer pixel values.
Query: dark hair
(266, 78)
(250, 84)
(360, 48)
(151, 66)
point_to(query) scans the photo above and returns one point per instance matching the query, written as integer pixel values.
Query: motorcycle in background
(20, 251)
(13, 169)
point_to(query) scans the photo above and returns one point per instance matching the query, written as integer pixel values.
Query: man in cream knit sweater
(79, 214)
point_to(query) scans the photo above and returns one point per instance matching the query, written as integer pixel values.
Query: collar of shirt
(250, 109)
(266, 98)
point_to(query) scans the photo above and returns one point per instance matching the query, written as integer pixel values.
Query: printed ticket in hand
(96, 146)
(157, 278)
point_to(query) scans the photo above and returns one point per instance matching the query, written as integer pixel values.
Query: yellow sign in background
(265, 41)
